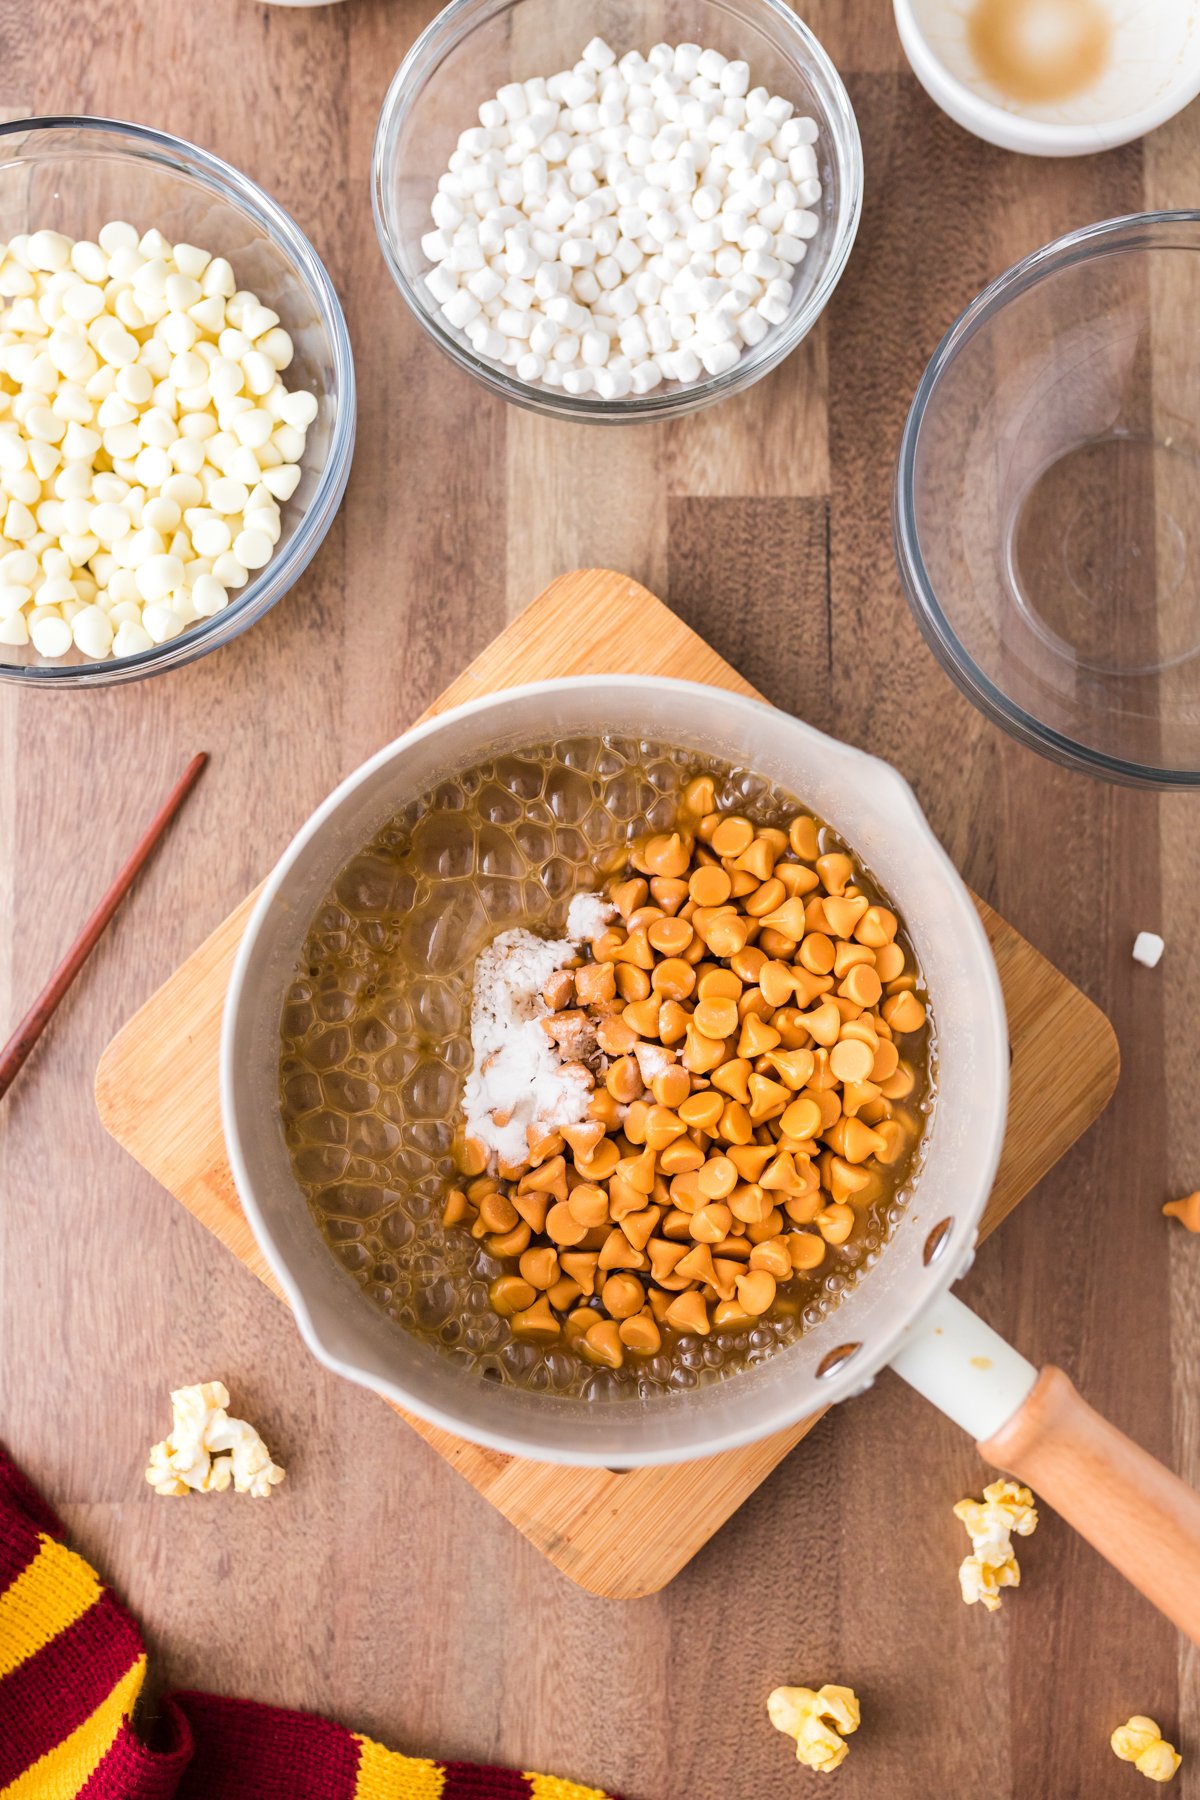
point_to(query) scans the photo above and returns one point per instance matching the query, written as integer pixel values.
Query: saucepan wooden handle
(1138, 1515)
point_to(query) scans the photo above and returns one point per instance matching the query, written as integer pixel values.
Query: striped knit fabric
(72, 1665)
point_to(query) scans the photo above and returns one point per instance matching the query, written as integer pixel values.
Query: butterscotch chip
(618, 1253)
(806, 1250)
(593, 983)
(774, 1257)
(639, 1227)
(711, 1222)
(632, 984)
(580, 1265)
(688, 1314)
(697, 1265)
(671, 1087)
(852, 1060)
(750, 1159)
(457, 1207)
(673, 979)
(559, 989)
(563, 1295)
(564, 1226)
(623, 1295)
(508, 1243)
(756, 1291)
(670, 936)
(601, 1343)
(669, 893)
(588, 1203)
(641, 1334)
(835, 1223)
(511, 1294)
(732, 835)
(668, 854)
(537, 1323)
(889, 962)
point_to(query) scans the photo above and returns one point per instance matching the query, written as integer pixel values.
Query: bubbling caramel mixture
(375, 1046)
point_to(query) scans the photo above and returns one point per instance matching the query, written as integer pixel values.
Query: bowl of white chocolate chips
(604, 226)
(176, 402)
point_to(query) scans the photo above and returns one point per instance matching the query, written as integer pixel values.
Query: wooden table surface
(376, 1586)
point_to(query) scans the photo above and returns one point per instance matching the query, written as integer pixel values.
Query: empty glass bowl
(72, 175)
(1047, 503)
(474, 47)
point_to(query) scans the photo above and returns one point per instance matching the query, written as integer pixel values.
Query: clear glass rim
(452, 25)
(259, 595)
(1104, 238)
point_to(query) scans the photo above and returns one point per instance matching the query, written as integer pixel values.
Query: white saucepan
(902, 1314)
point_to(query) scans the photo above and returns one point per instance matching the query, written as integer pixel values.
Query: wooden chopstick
(42, 1011)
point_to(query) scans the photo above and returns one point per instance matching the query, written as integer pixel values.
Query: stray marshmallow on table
(1148, 948)
(624, 223)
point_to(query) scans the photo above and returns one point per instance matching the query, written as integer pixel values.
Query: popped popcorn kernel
(981, 1581)
(820, 1722)
(208, 1451)
(1005, 1508)
(1140, 1742)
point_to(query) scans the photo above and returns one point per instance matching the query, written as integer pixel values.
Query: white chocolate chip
(147, 358)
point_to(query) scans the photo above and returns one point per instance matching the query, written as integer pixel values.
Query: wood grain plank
(583, 496)
(772, 440)
(377, 1586)
(1171, 161)
(752, 577)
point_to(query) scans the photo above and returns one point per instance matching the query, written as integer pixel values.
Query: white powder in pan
(587, 916)
(518, 1080)
(652, 1059)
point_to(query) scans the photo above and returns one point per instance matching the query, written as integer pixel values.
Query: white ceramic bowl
(1152, 72)
(876, 812)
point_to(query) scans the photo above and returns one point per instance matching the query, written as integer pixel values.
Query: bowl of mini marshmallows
(601, 222)
(176, 402)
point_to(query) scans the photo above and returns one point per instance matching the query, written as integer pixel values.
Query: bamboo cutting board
(617, 1534)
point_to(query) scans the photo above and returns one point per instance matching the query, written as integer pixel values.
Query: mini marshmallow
(1148, 948)
(663, 193)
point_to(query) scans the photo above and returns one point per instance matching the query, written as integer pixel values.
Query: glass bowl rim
(280, 573)
(1073, 247)
(635, 408)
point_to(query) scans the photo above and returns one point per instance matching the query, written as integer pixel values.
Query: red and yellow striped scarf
(72, 1665)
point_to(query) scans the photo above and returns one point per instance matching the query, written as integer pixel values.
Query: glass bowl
(1047, 500)
(474, 47)
(73, 174)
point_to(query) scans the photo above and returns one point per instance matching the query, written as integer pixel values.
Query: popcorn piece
(980, 1580)
(208, 1451)
(1148, 948)
(1140, 1742)
(1187, 1211)
(1005, 1508)
(819, 1722)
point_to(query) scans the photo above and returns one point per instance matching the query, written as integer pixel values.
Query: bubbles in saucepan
(375, 1042)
